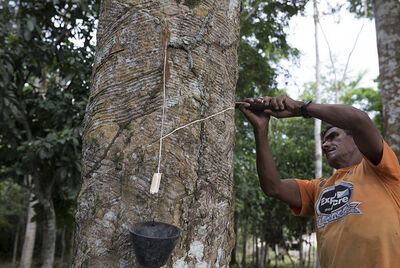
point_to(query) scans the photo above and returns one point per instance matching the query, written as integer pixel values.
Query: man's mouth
(330, 151)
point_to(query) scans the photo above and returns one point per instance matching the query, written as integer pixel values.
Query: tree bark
(387, 21)
(30, 232)
(317, 122)
(122, 126)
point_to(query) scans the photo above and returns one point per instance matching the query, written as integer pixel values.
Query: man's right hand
(258, 119)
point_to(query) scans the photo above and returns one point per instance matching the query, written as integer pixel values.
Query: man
(357, 210)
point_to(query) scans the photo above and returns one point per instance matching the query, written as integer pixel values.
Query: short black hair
(328, 127)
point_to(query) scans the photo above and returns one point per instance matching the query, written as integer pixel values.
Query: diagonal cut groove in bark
(98, 163)
(104, 60)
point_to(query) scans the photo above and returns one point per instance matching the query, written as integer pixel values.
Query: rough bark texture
(122, 130)
(387, 22)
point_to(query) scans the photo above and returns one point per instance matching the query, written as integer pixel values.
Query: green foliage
(368, 100)
(12, 203)
(263, 43)
(43, 93)
(357, 7)
(13, 206)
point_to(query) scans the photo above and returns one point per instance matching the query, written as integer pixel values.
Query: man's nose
(325, 145)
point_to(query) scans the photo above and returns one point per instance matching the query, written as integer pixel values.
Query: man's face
(338, 147)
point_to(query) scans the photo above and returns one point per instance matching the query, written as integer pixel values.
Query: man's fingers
(267, 101)
(274, 104)
(278, 114)
(259, 100)
(244, 105)
(269, 112)
(249, 100)
(281, 102)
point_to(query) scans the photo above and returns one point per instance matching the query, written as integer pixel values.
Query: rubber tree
(387, 21)
(122, 131)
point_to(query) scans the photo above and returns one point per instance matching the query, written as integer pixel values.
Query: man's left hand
(282, 106)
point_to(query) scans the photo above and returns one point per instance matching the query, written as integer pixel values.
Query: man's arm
(365, 134)
(286, 190)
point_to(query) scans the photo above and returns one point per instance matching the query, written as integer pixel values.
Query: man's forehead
(333, 129)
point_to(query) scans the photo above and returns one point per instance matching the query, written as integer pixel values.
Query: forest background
(44, 87)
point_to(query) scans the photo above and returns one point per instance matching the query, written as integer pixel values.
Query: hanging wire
(196, 121)
(164, 106)
(162, 137)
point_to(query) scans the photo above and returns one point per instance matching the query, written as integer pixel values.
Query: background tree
(387, 17)
(43, 94)
(122, 126)
(317, 122)
(387, 21)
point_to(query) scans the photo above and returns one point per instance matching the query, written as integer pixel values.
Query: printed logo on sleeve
(334, 203)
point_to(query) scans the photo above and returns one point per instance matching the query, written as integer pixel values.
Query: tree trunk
(266, 255)
(290, 257)
(236, 230)
(71, 248)
(253, 251)
(317, 122)
(62, 246)
(276, 255)
(49, 234)
(30, 232)
(301, 253)
(122, 131)
(261, 251)
(309, 251)
(244, 250)
(387, 21)
(257, 251)
(15, 249)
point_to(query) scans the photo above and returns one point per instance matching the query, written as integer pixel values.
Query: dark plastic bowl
(154, 242)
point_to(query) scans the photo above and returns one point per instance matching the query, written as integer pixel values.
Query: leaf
(27, 35)
(31, 25)
(51, 137)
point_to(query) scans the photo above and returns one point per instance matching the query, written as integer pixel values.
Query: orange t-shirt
(357, 214)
